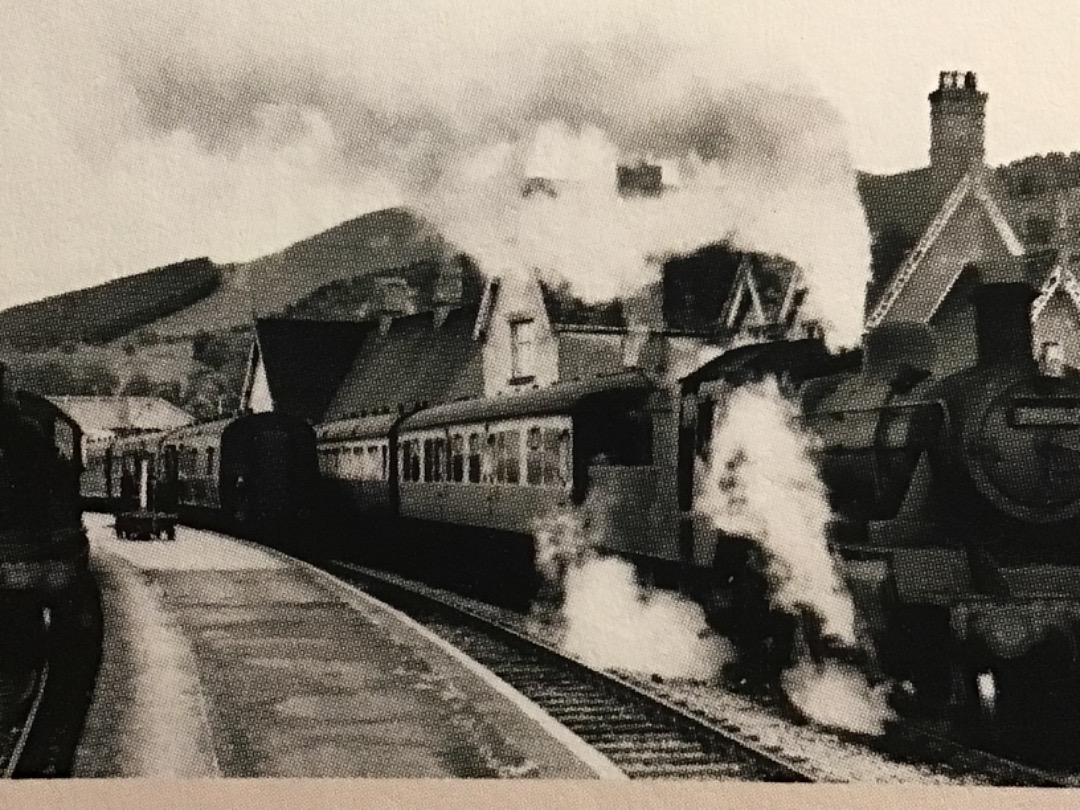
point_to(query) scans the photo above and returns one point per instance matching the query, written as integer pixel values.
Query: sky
(134, 134)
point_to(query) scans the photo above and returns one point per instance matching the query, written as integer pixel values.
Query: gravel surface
(832, 757)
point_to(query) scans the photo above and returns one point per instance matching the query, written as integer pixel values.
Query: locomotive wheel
(919, 649)
(1027, 707)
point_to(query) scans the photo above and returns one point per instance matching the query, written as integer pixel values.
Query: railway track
(659, 730)
(19, 735)
(642, 734)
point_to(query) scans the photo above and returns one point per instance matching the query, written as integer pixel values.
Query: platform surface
(222, 659)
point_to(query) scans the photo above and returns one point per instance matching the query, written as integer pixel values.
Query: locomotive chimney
(1003, 323)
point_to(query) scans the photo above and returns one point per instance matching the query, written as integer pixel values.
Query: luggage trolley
(145, 511)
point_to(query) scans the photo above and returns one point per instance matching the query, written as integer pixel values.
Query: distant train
(956, 498)
(253, 475)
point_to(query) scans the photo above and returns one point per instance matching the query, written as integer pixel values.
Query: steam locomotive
(46, 589)
(956, 499)
(956, 504)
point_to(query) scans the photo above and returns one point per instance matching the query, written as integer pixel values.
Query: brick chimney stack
(957, 126)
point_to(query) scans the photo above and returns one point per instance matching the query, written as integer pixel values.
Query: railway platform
(224, 659)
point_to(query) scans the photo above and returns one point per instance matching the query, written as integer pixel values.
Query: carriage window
(438, 463)
(556, 457)
(428, 455)
(385, 459)
(474, 458)
(412, 460)
(457, 458)
(210, 462)
(620, 436)
(513, 457)
(490, 459)
(534, 458)
(499, 457)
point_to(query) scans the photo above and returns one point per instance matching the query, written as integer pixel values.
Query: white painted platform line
(171, 736)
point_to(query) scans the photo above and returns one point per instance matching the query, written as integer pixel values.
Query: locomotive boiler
(957, 516)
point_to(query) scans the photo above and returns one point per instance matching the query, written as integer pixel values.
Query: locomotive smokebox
(891, 345)
(1003, 323)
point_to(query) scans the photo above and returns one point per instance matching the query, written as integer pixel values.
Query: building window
(522, 348)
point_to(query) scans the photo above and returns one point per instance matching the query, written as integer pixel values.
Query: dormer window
(522, 349)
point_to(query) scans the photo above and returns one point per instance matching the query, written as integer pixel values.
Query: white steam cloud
(607, 618)
(233, 129)
(763, 485)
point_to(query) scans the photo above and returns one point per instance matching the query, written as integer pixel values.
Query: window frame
(522, 352)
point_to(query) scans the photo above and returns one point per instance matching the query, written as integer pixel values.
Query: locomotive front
(958, 514)
(1013, 453)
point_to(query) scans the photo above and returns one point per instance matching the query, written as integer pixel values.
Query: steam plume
(233, 129)
(607, 618)
(762, 484)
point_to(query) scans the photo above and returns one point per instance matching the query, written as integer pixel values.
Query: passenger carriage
(477, 478)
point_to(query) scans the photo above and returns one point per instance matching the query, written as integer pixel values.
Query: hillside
(375, 242)
(108, 311)
(183, 331)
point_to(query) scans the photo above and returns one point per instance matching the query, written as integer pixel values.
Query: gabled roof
(418, 360)
(305, 361)
(1060, 279)
(100, 414)
(766, 291)
(908, 200)
(933, 289)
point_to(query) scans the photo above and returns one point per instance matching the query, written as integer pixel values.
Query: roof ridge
(907, 270)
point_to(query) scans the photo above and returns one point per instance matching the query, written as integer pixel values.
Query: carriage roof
(366, 427)
(562, 397)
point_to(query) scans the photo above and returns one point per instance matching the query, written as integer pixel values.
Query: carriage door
(267, 468)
